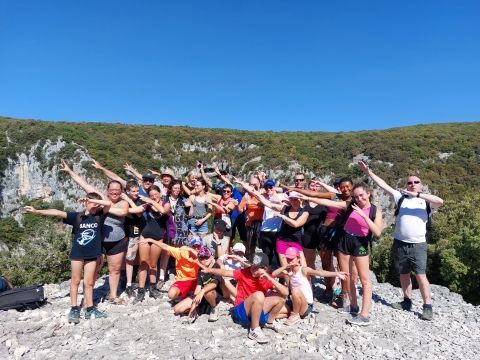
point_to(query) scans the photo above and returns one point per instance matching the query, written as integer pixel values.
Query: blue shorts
(202, 229)
(239, 315)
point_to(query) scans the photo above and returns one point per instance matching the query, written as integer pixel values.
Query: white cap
(239, 247)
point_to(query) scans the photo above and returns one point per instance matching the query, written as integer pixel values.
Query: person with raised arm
(86, 248)
(300, 303)
(200, 211)
(361, 220)
(146, 180)
(254, 305)
(224, 205)
(167, 176)
(189, 184)
(115, 241)
(414, 208)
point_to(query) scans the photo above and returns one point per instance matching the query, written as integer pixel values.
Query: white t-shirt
(271, 223)
(411, 222)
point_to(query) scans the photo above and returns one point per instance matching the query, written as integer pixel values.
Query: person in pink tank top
(353, 247)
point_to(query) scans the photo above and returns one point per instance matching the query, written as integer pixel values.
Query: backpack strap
(428, 209)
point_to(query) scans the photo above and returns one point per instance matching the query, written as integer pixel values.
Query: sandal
(117, 301)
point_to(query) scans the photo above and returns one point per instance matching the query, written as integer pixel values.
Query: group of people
(260, 253)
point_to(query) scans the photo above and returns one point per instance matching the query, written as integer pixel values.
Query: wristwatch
(418, 194)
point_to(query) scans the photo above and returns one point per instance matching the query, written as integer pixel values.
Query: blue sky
(255, 65)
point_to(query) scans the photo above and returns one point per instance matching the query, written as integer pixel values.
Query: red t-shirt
(247, 284)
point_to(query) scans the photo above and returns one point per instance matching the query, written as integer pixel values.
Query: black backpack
(22, 299)
(428, 209)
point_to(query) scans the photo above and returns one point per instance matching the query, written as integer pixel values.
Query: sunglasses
(413, 182)
(268, 187)
(298, 180)
(147, 180)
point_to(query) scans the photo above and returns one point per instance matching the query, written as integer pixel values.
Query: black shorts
(153, 231)
(115, 247)
(327, 239)
(311, 240)
(349, 244)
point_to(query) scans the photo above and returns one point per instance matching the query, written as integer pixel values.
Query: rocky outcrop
(149, 330)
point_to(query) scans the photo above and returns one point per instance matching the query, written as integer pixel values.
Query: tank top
(199, 209)
(333, 212)
(113, 228)
(356, 225)
(299, 281)
(289, 233)
(316, 216)
(221, 202)
(271, 223)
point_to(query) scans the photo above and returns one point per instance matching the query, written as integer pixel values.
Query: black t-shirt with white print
(87, 234)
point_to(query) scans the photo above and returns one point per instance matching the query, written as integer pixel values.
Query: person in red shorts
(254, 304)
(186, 267)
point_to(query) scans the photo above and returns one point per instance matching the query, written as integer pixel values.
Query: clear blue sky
(256, 65)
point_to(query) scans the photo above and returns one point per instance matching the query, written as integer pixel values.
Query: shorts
(114, 247)
(132, 248)
(327, 239)
(185, 287)
(353, 245)
(282, 246)
(202, 229)
(239, 315)
(289, 305)
(311, 240)
(410, 257)
(153, 231)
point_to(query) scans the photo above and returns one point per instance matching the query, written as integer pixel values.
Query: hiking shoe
(96, 314)
(154, 292)
(213, 314)
(258, 335)
(359, 320)
(160, 284)
(275, 326)
(326, 297)
(74, 315)
(129, 291)
(140, 296)
(349, 310)
(403, 305)
(337, 301)
(427, 313)
(292, 319)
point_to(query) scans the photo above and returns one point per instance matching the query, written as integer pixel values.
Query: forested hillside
(445, 156)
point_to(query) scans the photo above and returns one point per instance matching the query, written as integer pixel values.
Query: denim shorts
(202, 229)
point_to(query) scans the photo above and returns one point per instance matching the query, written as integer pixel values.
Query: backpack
(428, 209)
(22, 299)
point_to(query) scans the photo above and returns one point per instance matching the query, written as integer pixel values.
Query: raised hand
(363, 167)
(128, 167)
(156, 173)
(64, 166)
(29, 209)
(409, 193)
(359, 211)
(96, 164)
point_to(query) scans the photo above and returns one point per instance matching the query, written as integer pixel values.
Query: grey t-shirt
(209, 241)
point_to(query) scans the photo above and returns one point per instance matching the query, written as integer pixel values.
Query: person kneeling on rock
(254, 305)
(186, 267)
(300, 303)
(204, 299)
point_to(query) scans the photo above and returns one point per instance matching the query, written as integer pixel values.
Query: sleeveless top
(299, 281)
(356, 225)
(316, 217)
(179, 212)
(333, 212)
(271, 223)
(289, 233)
(113, 228)
(199, 209)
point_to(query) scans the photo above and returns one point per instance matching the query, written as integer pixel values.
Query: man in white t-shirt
(410, 244)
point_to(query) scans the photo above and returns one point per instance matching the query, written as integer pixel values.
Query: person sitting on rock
(254, 304)
(86, 249)
(300, 303)
(186, 267)
(217, 242)
(204, 299)
(234, 261)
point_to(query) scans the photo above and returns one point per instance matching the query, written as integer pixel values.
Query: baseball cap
(204, 252)
(239, 247)
(259, 259)
(220, 224)
(269, 183)
(294, 195)
(291, 253)
(196, 241)
(148, 175)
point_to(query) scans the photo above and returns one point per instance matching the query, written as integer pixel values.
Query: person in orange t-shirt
(186, 267)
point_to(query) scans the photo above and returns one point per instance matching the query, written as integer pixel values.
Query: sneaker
(160, 284)
(74, 315)
(349, 310)
(326, 297)
(292, 319)
(258, 335)
(97, 314)
(275, 326)
(359, 320)
(140, 296)
(129, 291)
(403, 305)
(427, 313)
(213, 314)
(154, 292)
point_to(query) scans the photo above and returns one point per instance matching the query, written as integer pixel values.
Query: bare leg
(155, 252)
(89, 268)
(144, 254)
(327, 264)
(253, 307)
(299, 302)
(424, 287)
(406, 283)
(274, 305)
(362, 263)
(183, 306)
(76, 266)
(173, 293)
(343, 263)
(115, 263)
